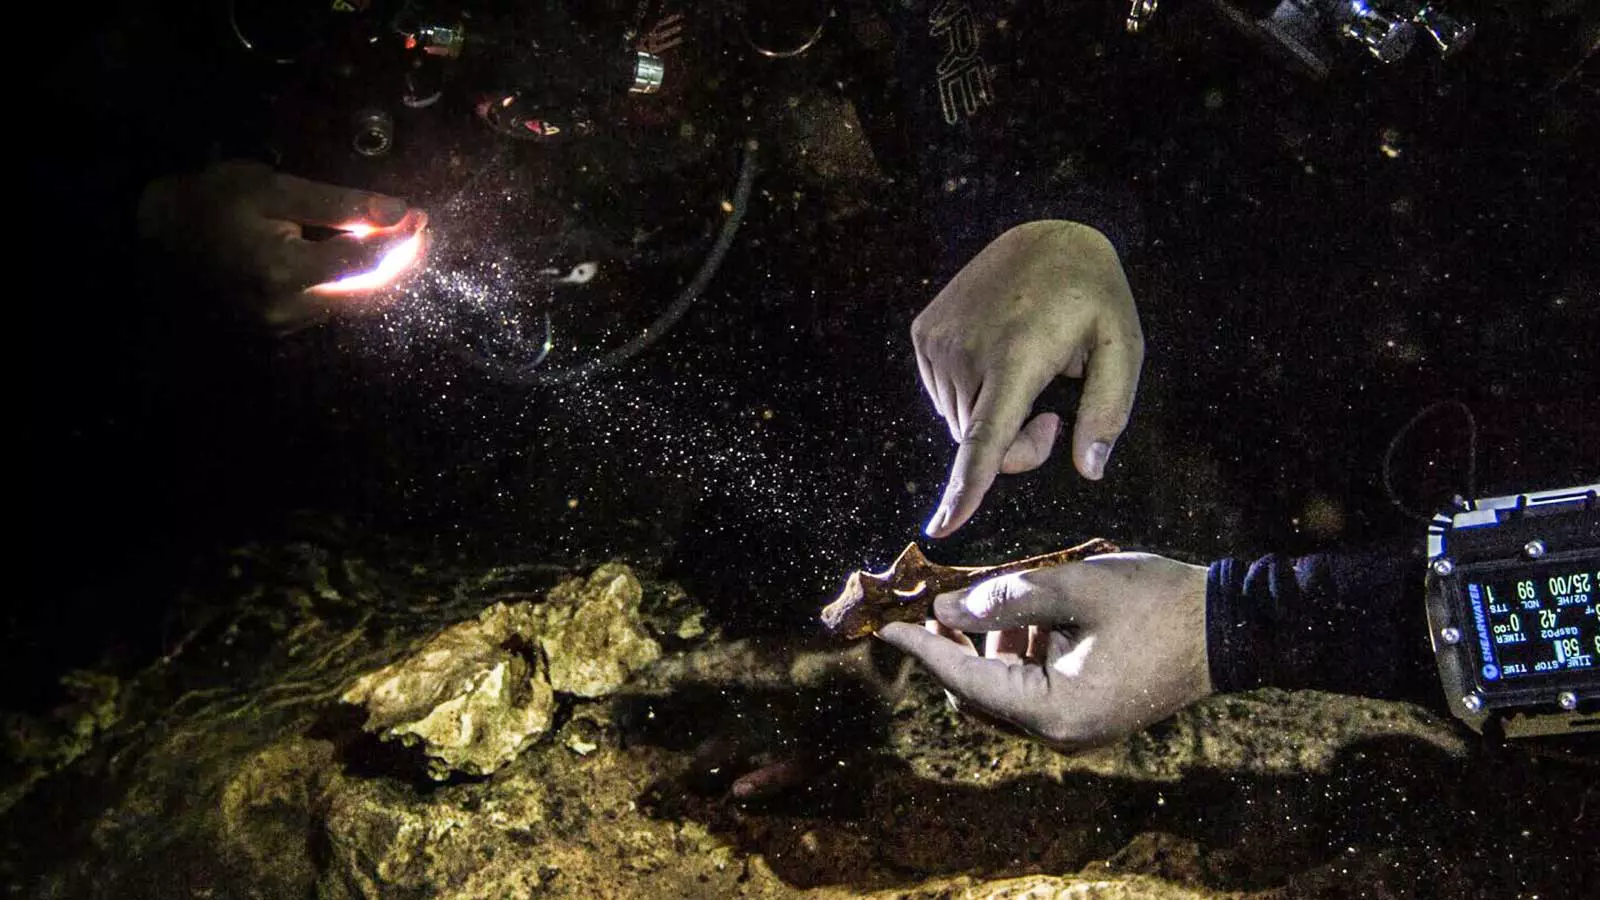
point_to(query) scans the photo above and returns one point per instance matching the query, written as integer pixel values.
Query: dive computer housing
(1512, 590)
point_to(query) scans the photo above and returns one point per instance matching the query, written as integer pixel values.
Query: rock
(1048, 887)
(471, 698)
(592, 635)
(238, 783)
(34, 748)
(383, 841)
(477, 694)
(268, 807)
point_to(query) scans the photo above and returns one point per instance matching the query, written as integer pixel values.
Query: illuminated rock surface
(234, 764)
(591, 634)
(472, 698)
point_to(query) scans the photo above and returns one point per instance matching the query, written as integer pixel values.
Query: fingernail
(1099, 452)
(937, 522)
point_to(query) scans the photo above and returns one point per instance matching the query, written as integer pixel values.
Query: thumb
(1106, 403)
(1033, 444)
(1039, 597)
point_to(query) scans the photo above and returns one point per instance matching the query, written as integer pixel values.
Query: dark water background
(1303, 292)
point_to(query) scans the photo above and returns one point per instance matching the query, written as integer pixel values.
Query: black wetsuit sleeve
(1350, 623)
(1004, 122)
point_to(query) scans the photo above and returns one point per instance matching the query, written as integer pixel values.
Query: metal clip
(1140, 12)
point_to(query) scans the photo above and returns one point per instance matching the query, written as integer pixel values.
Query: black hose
(1399, 436)
(531, 375)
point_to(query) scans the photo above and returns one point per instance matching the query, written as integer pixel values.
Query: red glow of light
(413, 221)
(395, 262)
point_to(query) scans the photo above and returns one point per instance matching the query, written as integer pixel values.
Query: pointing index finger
(997, 415)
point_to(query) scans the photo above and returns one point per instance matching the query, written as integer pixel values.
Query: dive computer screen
(1536, 620)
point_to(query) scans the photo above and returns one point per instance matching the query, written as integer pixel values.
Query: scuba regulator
(607, 163)
(538, 72)
(1307, 35)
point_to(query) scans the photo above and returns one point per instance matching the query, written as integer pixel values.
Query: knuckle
(1111, 414)
(1003, 592)
(940, 342)
(1125, 336)
(990, 597)
(1110, 421)
(1009, 358)
(980, 432)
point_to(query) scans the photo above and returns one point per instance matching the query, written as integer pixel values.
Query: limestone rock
(472, 698)
(385, 841)
(592, 634)
(34, 748)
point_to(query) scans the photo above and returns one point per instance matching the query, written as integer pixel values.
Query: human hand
(1134, 654)
(245, 222)
(1044, 299)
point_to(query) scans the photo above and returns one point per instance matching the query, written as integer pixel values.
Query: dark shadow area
(1415, 819)
(805, 746)
(361, 754)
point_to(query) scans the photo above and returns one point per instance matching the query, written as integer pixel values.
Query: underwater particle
(1213, 98)
(1322, 517)
(572, 503)
(767, 414)
(1389, 143)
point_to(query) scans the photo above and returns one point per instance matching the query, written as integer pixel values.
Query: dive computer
(1511, 596)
